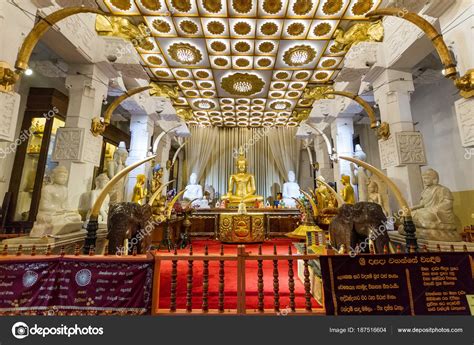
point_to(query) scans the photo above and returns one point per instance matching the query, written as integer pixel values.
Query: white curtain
(286, 149)
(260, 160)
(199, 149)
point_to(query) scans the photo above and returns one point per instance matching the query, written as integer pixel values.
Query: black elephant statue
(356, 224)
(132, 221)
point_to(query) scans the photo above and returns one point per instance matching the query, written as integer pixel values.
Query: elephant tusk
(176, 154)
(160, 136)
(158, 192)
(332, 153)
(171, 204)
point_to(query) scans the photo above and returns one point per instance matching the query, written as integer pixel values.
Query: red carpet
(230, 280)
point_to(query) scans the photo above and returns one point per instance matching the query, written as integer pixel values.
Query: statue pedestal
(432, 246)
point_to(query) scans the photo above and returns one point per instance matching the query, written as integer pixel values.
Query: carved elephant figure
(355, 223)
(132, 221)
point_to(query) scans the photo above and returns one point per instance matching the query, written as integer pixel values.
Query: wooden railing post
(155, 302)
(241, 279)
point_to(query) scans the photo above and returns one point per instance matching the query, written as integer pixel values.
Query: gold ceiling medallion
(269, 28)
(282, 75)
(242, 6)
(124, 5)
(202, 74)
(161, 26)
(163, 90)
(182, 5)
(187, 84)
(293, 94)
(280, 105)
(299, 55)
(213, 6)
(182, 74)
(266, 47)
(204, 104)
(264, 62)
(215, 27)
(185, 53)
(154, 60)
(360, 32)
(146, 44)
(322, 29)
(206, 85)
(152, 5)
(242, 47)
(331, 7)
(242, 28)
(221, 62)
(302, 7)
(218, 46)
(278, 85)
(328, 63)
(318, 92)
(242, 84)
(272, 6)
(185, 114)
(301, 75)
(162, 74)
(188, 27)
(321, 75)
(295, 29)
(301, 114)
(362, 7)
(242, 62)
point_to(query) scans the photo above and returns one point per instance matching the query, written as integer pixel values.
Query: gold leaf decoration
(242, 6)
(301, 75)
(242, 62)
(206, 85)
(242, 84)
(187, 84)
(269, 28)
(295, 29)
(362, 6)
(242, 47)
(162, 74)
(293, 94)
(218, 46)
(152, 5)
(182, 74)
(182, 5)
(282, 75)
(188, 27)
(146, 44)
(213, 6)
(191, 93)
(202, 74)
(331, 7)
(124, 5)
(185, 53)
(215, 27)
(154, 60)
(272, 6)
(328, 63)
(322, 29)
(299, 55)
(242, 28)
(302, 7)
(220, 62)
(321, 75)
(161, 26)
(266, 47)
(264, 62)
(279, 85)
(280, 105)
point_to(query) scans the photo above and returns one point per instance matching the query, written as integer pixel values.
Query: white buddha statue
(193, 192)
(434, 217)
(100, 182)
(291, 190)
(54, 217)
(113, 168)
(359, 175)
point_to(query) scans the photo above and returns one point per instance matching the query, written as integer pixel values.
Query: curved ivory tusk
(332, 153)
(176, 155)
(108, 187)
(171, 204)
(160, 136)
(158, 192)
(310, 155)
(40, 29)
(312, 203)
(450, 70)
(110, 109)
(340, 200)
(393, 187)
(368, 109)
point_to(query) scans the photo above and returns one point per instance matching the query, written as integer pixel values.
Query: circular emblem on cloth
(83, 277)
(29, 278)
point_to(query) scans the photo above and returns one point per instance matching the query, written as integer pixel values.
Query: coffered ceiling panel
(242, 62)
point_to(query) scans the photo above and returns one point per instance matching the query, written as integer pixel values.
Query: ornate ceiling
(243, 62)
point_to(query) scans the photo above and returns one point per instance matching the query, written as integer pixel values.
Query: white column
(141, 128)
(322, 157)
(76, 147)
(403, 153)
(342, 132)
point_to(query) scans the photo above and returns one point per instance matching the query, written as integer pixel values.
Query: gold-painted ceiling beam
(465, 83)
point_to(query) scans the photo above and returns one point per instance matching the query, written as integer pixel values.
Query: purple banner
(70, 286)
(397, 284)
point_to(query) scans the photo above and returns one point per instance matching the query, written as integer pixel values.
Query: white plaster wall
(432, 107)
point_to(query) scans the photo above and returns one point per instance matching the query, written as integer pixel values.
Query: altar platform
(274, 222)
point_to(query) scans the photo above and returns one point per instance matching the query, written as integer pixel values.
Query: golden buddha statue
(244, 184)
(347, 192)
(139, 191)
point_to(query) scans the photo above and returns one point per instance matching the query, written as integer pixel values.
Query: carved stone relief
(77, 144)
(10, 104)
(465, 117)
(401, 149)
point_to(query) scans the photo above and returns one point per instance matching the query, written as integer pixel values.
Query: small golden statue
(117, 26)
(244, 184)
(347, 192)
(139, 192)
(360, 32)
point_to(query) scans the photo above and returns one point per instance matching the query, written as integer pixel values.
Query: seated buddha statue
(54, 217)
(291, 190)
(241, 185)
